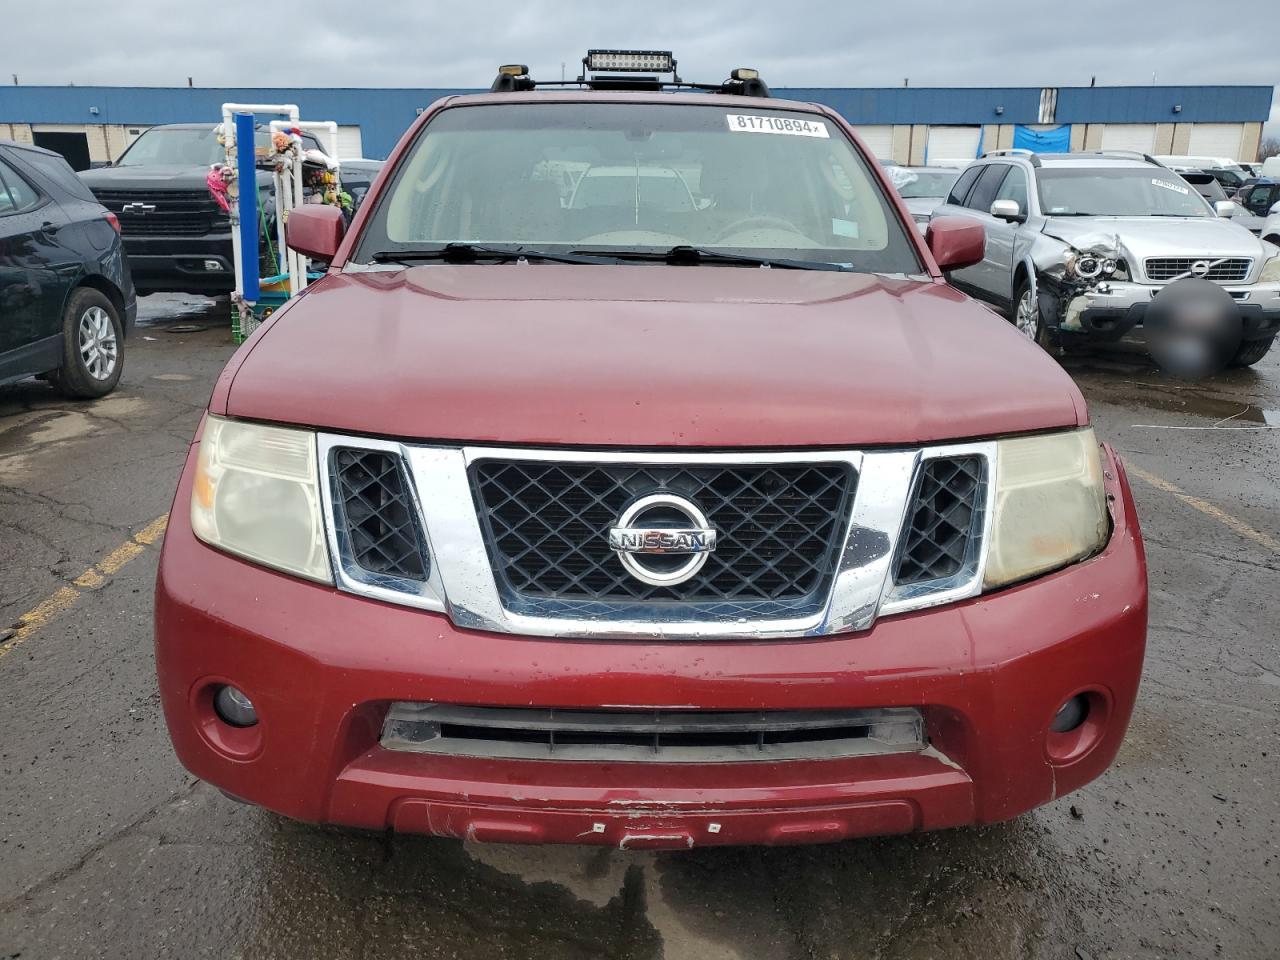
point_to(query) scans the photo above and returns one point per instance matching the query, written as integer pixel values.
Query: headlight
(1270, 271)
(256, 494)
(1050, 505)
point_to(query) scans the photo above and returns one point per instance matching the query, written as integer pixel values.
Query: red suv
(633, 477)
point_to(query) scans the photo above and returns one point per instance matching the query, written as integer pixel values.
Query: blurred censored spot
(1193, 327)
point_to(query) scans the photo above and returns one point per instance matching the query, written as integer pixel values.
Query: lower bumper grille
(655, 736)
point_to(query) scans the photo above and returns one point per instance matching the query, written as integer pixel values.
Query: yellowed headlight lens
(256, 494)
(1050, 505)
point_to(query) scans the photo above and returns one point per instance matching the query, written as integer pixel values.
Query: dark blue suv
(66, 297)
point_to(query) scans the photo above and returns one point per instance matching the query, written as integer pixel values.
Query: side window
(985, 189)
(16, 194)
(962, 185)
(1014, 188)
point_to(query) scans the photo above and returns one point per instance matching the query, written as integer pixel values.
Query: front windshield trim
(902, 249)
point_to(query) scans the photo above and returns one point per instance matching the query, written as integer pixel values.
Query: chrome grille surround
(463, 585)
(1220, 270)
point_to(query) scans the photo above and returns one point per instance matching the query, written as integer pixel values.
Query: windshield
(1118, 192)
(174, 146)
(921, 183)
(642, 177)
(192, 147)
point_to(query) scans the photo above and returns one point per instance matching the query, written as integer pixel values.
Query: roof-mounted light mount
(630, 70)
(511, 78)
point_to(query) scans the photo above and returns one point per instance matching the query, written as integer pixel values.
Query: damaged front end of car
(1064, 274)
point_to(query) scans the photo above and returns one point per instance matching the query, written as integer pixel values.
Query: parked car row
(77, 250)
(177, 237)
(1080, 246)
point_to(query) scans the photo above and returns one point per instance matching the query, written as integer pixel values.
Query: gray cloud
(795, 43)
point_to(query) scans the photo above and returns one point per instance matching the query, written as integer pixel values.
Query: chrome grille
(1228, 270)
(373, 505)
(945, 517)
(546, 527)
(657, 736)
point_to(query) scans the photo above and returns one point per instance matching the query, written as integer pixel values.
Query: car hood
(923, 206)
(153, 178)
(1142, 237)
(645, 356)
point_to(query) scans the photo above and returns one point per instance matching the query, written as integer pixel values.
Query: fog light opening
(234, 708)
(1070, 715)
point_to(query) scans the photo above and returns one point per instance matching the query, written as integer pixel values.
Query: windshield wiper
(472, 252)
(684, 255)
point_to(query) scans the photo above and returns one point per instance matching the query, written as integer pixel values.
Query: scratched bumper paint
(322, 667)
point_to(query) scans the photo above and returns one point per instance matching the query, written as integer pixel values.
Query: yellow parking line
(1208, 509)
(118, 557)
(62, 598)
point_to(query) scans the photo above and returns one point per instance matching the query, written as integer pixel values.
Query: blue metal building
(905, 123)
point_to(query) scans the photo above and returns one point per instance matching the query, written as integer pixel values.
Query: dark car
(177, 237)
(66, 297)
(357, 177)
(1259, 196)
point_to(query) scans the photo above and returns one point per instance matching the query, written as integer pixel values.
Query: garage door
(879, 140)
(349, 142)
(1216, 140)
(1129, 136)
(950, 144)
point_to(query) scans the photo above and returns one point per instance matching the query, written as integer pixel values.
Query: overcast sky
(424, 43)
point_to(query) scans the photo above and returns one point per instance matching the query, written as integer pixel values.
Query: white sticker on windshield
(1171, 186)
(748, 123)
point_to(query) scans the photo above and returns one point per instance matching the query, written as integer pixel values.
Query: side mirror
(1224, 208)
(315, 231)
(1007, 210)
(955, 242)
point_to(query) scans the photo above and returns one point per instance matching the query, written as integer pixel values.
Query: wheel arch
(96, 281)
(1024, 269)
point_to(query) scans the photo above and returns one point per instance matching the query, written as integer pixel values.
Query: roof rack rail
(1031, 155)
(626, 67)
(1133, 154)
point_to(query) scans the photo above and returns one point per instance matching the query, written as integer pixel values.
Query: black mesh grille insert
(943, 518)
(374, 507)
(547, 524)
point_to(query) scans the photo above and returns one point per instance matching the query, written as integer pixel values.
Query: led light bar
(631, 61)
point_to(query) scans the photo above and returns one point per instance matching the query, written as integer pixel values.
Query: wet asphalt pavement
(108, 848)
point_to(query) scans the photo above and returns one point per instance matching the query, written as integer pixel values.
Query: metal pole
(247, 198)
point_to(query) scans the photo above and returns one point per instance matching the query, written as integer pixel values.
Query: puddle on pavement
(1205, 400)
(164, 310)
(1002, 891)
(1219, 409)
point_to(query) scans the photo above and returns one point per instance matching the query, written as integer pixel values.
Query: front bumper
(180, 264)
(1114, 313)
(322, 668)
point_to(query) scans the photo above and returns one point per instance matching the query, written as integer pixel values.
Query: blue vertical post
(247, 182)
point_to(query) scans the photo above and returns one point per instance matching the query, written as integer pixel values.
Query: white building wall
(878, 138)
(1140, 137)
(1216, 140)
(951, 144)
